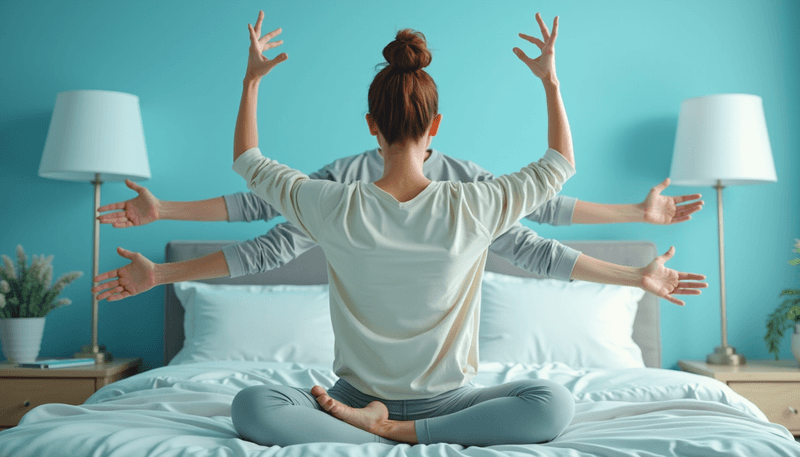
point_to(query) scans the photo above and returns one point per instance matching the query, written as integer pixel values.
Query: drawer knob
(27, 403)
(792, 410)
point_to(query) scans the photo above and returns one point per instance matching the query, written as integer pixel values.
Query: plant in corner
(26, 296)
(785, 316)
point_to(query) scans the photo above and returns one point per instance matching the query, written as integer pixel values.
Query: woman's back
(405, 276)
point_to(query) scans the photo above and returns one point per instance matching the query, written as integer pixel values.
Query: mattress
(184, 410)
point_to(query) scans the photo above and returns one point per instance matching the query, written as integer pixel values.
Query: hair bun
(408, 52)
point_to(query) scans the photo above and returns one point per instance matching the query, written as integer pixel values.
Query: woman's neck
(403, 177)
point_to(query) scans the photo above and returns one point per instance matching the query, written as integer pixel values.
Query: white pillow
(581, 324)
(285, 323)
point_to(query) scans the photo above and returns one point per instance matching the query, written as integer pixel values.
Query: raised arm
(246, 134)
(544, 67)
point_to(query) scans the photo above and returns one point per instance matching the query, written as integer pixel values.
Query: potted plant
(785, 316)
(26, 296)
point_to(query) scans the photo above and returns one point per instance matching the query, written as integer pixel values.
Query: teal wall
(625, 66)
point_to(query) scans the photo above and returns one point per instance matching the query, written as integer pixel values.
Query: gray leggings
(520, 412)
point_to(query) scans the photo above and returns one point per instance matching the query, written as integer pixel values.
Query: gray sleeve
(525, 249)
(556, 211)
(248, 207)
(281, 244)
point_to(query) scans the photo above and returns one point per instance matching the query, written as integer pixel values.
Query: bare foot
(369, 418)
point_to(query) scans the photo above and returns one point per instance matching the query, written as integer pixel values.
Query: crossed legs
(521, 412)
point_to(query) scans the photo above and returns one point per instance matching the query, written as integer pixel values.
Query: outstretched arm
(282, 244)
(655, 209)
(142, 275)
(654, 278)
(146, 208)
(525, 249)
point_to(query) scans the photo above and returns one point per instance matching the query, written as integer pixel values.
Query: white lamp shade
(95, 131)
(722, 138)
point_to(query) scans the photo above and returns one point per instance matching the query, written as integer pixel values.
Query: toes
(317, 391)
(327, 403)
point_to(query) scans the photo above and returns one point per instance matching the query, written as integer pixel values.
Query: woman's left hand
(257, 64)
(665, 282)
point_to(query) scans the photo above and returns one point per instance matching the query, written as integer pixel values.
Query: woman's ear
(373, 127)
(434, 125)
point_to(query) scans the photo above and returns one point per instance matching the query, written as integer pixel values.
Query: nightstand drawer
(18, 396)
(780, 401)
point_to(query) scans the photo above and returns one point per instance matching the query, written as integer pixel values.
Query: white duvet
(184, 410)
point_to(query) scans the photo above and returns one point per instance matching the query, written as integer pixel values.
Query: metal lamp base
(725, 355)
(98, 353)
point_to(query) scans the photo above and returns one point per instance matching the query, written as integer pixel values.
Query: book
(58, 363)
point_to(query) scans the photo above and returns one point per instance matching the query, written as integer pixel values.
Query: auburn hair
(403, 99)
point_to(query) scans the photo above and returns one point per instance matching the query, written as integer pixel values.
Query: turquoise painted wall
(625, 66)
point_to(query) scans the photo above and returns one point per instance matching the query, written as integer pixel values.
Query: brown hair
(403, 99)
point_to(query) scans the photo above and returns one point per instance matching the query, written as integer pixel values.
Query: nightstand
(774, 386)
(22, 389)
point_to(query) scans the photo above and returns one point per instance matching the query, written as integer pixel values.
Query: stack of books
(58, 363)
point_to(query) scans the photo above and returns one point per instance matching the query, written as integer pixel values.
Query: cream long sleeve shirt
(405, 277)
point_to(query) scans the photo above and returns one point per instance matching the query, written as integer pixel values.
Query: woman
(405, 259)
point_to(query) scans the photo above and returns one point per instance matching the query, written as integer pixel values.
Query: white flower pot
(21, 338)
(796, 343)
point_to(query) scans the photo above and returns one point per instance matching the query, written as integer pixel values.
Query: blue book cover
(58, 363)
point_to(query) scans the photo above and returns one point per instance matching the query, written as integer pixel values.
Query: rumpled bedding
(184, 410)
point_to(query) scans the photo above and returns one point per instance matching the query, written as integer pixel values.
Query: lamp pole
(94, 350)
(723, 354)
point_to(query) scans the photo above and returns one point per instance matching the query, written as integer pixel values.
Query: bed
(601, 342)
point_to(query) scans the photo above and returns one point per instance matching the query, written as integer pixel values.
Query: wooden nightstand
(774, 386)
(22, 389)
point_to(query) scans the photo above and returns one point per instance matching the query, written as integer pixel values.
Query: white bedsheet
(184, 411)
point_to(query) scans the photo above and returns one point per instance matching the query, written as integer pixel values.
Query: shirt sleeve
(556, 211)
(289, 191)
(280, 245)
(248, 207)
(502, 202)
(525, 249)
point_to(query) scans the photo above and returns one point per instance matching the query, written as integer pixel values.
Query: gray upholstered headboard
(310, 268)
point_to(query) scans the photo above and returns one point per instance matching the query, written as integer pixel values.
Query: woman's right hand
(134, 278)
(544, 66)
(141, 210)
(257, 63)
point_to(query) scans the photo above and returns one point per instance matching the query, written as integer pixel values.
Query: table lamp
(95, 136)
(722, 141)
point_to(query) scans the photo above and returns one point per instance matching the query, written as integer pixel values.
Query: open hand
(663, 210)
(543, 66)
(134, 278)
(136, 211)
(257, 64)
(665, 282)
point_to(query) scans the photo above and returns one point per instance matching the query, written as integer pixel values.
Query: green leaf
(778, 323)
(794, 262)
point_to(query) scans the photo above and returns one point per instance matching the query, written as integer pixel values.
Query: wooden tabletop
(753, 370)
(116, 366)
